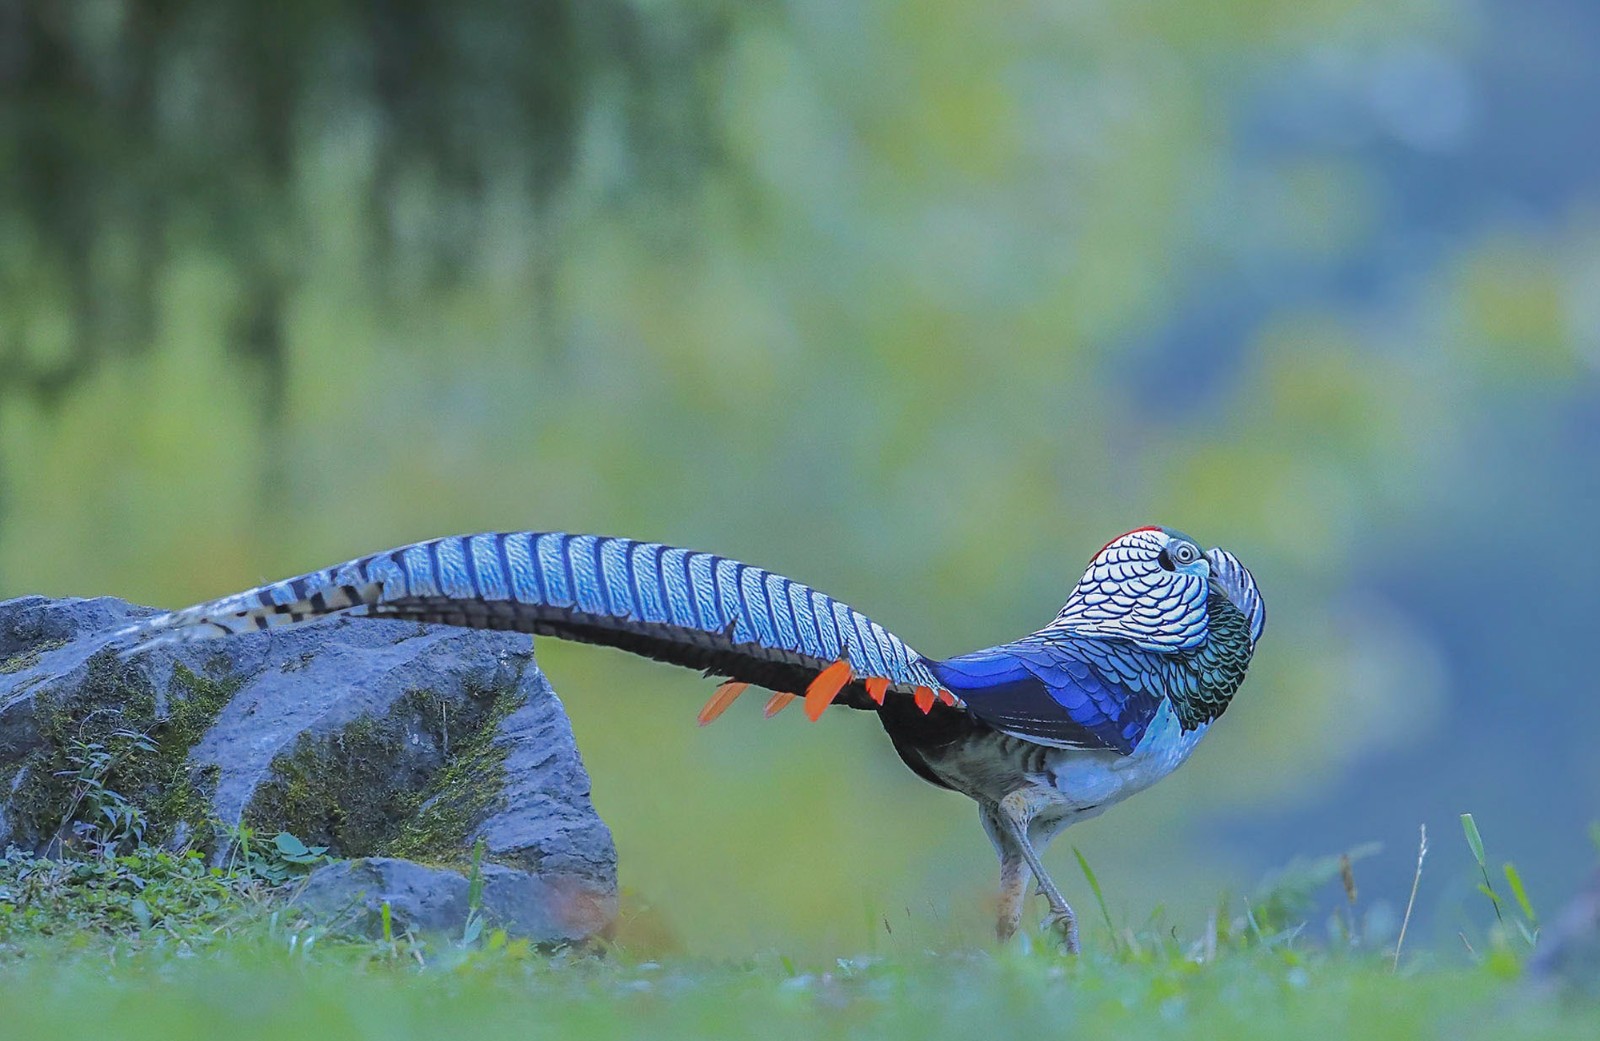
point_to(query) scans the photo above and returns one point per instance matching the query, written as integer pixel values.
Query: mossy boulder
(377, 739)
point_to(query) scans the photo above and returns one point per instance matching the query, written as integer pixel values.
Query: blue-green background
(916, 302)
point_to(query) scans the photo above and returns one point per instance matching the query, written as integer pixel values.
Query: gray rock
(378, 739)
(351, 894)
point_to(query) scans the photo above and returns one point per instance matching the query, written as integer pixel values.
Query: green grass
(151, 944)
(267, 984)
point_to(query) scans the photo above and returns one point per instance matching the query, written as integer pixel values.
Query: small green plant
(1099, 897)
(1281, 905)
(1528, 925)
(100, 818)
(473, 927)
(281, 860)
(145, 894)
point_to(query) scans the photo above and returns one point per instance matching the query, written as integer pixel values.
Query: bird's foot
(1065, 924)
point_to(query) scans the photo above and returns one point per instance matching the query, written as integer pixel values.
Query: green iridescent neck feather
(1204, 680)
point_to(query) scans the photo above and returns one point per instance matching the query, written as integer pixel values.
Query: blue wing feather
(1040, 690)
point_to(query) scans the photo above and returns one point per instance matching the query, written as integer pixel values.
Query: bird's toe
(1065, 925)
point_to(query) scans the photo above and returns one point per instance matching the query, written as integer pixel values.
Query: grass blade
(1411, 901)
(1099, 897)
(475, 877)
(1514, 880)
(1474, 840)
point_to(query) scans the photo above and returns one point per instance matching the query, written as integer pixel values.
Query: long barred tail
(674, 605)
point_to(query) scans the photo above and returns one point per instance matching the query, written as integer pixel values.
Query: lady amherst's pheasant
(1107, 699)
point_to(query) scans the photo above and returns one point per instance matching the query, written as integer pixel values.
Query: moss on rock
(113, 737)
(465, 791)
(410, 783)
(29, 658)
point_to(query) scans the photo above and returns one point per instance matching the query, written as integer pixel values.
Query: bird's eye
(1183, 553)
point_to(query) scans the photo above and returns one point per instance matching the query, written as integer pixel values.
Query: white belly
(1087, 782)
(1081, 782)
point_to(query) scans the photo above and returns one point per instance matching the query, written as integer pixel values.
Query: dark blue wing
(1038, 689)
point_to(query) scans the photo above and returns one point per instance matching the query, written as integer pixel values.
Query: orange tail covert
(877, 687)
(725, 695)
(826, 687)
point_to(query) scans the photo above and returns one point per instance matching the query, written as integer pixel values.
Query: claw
(1065, 923)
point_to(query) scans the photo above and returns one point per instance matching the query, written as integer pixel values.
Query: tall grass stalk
(1411, 901)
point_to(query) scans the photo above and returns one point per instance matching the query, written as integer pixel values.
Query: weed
(98, 816)
(1411, 901)
(1282, 904)
(1099, 897)
(1528, 925)
(473, 927)
(110, 736)
(144, 895)
(282, 860)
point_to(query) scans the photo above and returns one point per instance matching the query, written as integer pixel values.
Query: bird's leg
(1013, 873)
(1013, 891)
(1016, 812)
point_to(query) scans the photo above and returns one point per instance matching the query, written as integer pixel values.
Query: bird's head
(1150, 587)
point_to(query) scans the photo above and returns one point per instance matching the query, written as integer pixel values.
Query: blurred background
(916, 302)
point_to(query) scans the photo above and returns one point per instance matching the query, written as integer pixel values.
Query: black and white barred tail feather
(674, 605)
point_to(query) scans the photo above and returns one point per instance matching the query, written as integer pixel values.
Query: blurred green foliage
(861, 293)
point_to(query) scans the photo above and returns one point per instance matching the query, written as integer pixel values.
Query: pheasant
(1051, 729)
